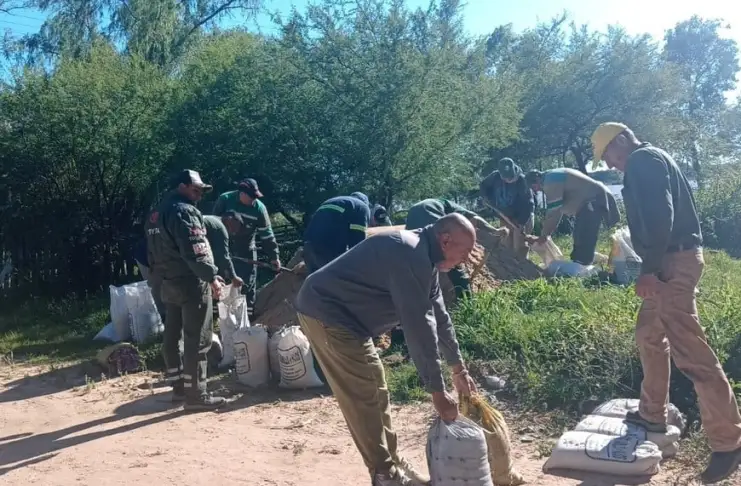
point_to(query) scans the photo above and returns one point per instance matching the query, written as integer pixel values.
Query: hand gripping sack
(619, 407)
(457, 454)
(624, 259)
(296, 361)
(496, 432)
(549, 252)
(604, 454)
(273, 353)
(232, 318)
(617, 427)
(251, 356)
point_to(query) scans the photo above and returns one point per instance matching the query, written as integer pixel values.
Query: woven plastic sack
(251, 356)
(567, 268)
(232, 318)
(625, 261)
(296, 362)
(134, 314)
(619, 407)
(457, 454)
(548, 252)
(604, 454)
(617, 427)
(477, 409)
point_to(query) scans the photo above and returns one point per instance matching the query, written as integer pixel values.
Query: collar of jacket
(177, 197)
(436, 253)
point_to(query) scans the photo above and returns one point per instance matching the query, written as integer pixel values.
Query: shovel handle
(263, 265)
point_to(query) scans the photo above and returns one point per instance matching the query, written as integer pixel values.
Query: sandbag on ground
(619, 408)
(617, 456)
(617, 427)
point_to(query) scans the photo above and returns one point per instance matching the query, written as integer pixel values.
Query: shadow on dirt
(594, 479)
(52, 381)
(31, 448)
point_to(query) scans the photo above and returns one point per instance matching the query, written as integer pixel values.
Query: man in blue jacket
(507, 192)
(338, 225)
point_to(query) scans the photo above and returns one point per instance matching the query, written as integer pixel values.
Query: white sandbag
(457, 454)
(548, 252)
(134, 314)
(625, 261)
(273, 353)
(216, 352)
(232, 318)
(619, 407)
(108, 333)
(296, 361)
(567, 268)
(618, 456)
(251, 356)
(614, 426)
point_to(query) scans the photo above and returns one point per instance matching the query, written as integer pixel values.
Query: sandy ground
(58, 427)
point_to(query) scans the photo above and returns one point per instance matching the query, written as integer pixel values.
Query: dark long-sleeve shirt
(339, 223)
(387, 279)
(256, 224)
(428, 211)
(218, 238)
(660, 207)
(515, 199)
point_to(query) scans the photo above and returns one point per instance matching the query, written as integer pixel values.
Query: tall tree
(708, 64)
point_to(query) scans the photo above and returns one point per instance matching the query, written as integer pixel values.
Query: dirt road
(58, 427)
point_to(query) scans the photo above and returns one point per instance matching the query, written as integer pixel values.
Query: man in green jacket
(218, 230)
(180, 252)
(246, 202)
(665, 232)
(427, 212)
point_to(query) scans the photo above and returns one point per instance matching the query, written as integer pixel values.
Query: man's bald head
(456, 237)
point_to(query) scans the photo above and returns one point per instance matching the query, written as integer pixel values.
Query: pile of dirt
(489, 264)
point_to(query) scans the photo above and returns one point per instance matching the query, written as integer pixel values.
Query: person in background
(506, 191)
(182, 259)
(218, 230)
(380, 217)
(572, 193)
(665, 232)
(256, 222)
(339, 224)
(389, 278)
(428, 211)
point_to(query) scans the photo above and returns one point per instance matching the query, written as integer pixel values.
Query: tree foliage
(112, 96)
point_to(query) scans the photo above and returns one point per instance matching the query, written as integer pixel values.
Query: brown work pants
(668, 325)
(515, 240)
(355, 373)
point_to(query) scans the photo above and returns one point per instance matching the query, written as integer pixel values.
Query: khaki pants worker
(668, 325)
(355, 373)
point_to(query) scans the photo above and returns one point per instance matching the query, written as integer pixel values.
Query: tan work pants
(668, 325)
(355, 373)
(515, 240)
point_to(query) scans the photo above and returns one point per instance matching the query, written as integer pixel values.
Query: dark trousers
(248, 273)
(315, 258)
(461, 281)
(193, 319)
(586, 233)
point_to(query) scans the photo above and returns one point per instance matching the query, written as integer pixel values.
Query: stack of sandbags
(604, 443)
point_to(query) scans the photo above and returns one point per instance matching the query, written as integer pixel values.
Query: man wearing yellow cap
(665, 232)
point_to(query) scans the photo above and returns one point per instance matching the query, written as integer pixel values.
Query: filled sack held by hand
(457, 454)
(296, 361)
(232, 318)
(496, 432)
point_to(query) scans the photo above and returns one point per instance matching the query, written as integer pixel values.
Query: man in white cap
(665, 232)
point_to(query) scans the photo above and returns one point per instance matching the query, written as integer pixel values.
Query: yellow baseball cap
(601, 138)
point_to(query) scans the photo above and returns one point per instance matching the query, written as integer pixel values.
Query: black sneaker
(204, 402)
(721, 466)
(636, 419)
